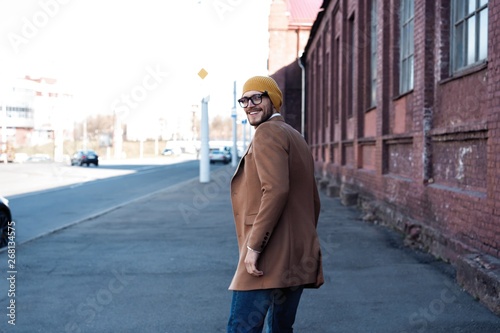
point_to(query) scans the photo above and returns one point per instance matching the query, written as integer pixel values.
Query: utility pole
(234, 155)
(204, 160)
(244, 123)
(204, 148)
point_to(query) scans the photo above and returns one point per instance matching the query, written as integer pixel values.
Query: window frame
(407, 46)
(460, 54)
(351, 38)
(373, 53)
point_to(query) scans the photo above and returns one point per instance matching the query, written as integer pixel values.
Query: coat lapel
(242, 160)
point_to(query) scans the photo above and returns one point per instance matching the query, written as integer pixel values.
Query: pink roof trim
(303, 12)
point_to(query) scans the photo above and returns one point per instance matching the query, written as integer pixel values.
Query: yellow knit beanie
(265, 83)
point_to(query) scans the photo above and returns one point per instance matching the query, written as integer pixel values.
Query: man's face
(257, 114)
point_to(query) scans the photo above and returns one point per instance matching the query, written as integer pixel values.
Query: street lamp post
(244, 123)
(234, 154)
(204, 160)
(204, 136)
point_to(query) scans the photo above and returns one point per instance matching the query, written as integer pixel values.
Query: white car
(217, 155)
(167, 152)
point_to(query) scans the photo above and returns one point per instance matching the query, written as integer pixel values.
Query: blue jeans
(250, 308)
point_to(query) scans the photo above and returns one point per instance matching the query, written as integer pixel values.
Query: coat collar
(274, 117)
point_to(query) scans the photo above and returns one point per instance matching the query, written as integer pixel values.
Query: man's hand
(251, 263)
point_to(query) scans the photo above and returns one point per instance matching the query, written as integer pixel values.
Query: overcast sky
(137, 55)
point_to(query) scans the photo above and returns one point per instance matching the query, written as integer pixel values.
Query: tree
(221, 128)
(96, 125)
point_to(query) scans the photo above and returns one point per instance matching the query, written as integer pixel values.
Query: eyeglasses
(256, 99)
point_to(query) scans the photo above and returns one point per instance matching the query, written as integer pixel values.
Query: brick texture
(426, 162)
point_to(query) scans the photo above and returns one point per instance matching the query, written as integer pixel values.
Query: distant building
(37, 110)
(403, 112)
(16, 112)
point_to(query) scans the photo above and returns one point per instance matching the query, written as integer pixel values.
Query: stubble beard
(263, 119)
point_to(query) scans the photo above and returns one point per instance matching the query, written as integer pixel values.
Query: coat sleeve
(270, 147)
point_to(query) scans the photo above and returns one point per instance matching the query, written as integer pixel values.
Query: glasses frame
(243, 102)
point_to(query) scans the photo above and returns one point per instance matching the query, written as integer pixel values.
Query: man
(276, 208)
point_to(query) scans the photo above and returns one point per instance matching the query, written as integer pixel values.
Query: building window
(19, 112)
(469, 32)
(407, 46)
(373, 54)
(350, 73)
(336, 82)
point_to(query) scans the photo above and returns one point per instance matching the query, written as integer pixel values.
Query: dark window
(469, 33)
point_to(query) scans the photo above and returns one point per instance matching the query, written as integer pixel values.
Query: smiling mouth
(253, 113)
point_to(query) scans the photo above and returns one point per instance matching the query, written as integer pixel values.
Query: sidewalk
(164, 265)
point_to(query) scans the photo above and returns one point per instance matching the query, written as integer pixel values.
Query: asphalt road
(49, 196)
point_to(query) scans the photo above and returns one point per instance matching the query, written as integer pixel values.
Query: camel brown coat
(276, 208)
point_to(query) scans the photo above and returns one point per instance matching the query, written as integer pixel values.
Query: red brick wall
(492, 105)
(428, 161)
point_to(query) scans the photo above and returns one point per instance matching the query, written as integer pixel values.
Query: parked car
(167, 152)
(87, 157)
(229, 151)
(217, 155)
(5, 220)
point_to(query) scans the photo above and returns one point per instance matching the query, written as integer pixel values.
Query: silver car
(217, 155)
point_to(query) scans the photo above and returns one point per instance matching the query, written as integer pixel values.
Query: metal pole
(234, 154)
(204, 160)
(244, 123)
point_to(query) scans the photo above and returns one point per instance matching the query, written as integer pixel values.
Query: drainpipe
(303, 97)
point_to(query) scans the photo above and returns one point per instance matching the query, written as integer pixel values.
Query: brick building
(290, 22)
(403, 117)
